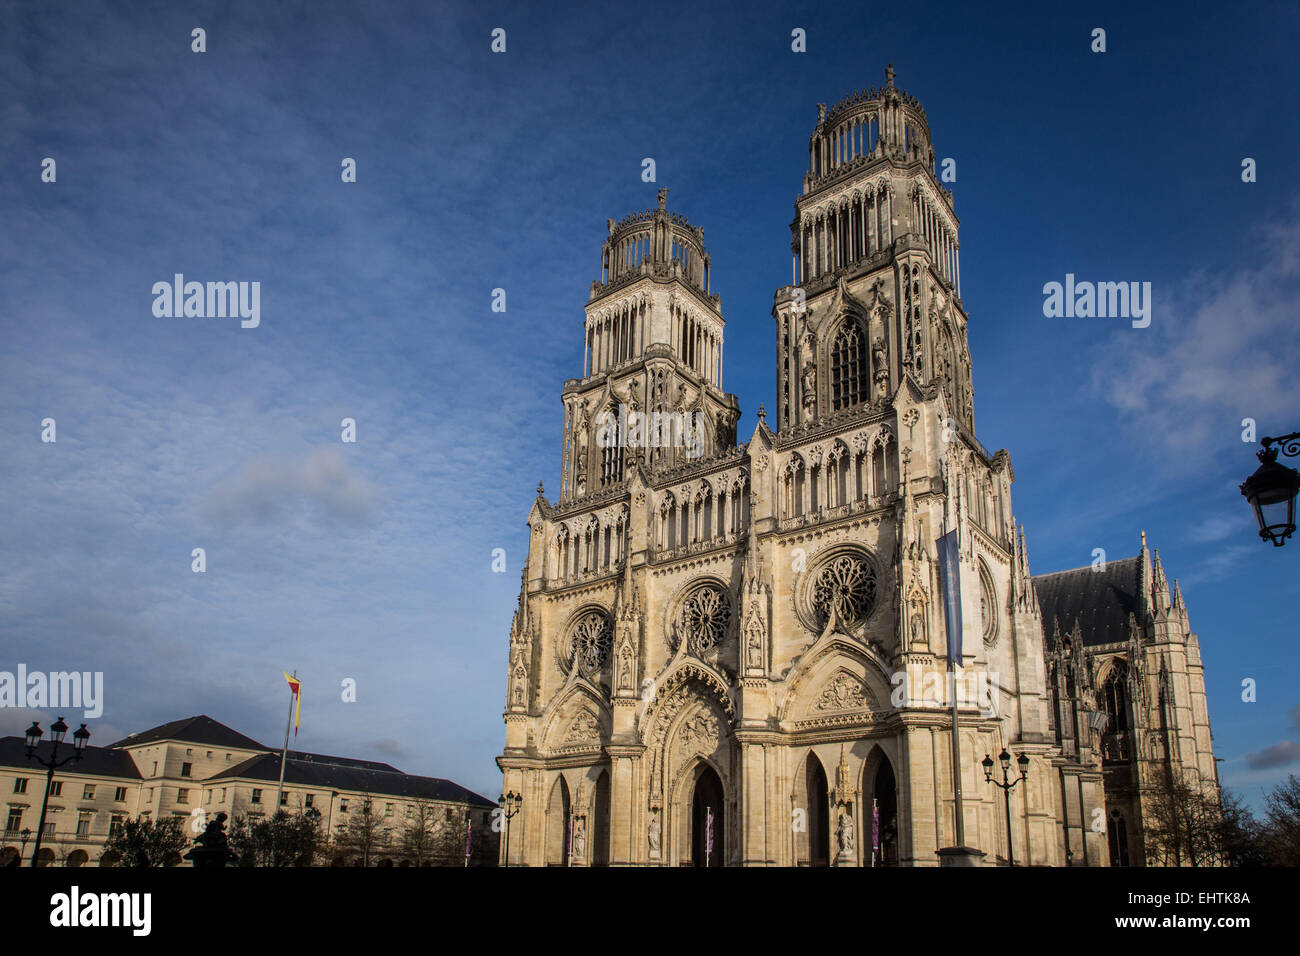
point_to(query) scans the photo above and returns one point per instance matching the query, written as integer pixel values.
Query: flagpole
(956, 740)
(284, 753)
(956, 761)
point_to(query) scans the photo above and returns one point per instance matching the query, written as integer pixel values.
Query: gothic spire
(1160, 584)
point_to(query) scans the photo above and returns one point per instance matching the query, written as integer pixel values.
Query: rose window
(591, 641)
(847, 584)
(988, 611)
(704, 619)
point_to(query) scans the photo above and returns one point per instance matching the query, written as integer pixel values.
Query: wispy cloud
(325, 482)
(1220, 350)
(1281, 754)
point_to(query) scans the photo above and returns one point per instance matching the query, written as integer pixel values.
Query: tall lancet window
(849, 377)
(611, 456)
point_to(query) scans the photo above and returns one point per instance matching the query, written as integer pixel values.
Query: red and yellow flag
(295, 685)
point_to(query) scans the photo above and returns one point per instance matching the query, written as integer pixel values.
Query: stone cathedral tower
(731, 654)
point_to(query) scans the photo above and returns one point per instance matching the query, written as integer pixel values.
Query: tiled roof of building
(1101, 601)
(95, 761)
(342, 761)
(200, 729)
(336, 776)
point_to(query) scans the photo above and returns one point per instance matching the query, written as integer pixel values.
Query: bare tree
(422, 831)
(1185, 824)
(364, 834)
(1283, 826)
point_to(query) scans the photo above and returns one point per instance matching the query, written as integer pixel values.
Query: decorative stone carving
(579, 838)
(699, 733)
(846, 583)
(880, 362)
(844, 833)
(585, 727)
(703, 621)
(625, 667)
(988, 610)
(590, 641)
(755, 632)
(844, 692)
(916, 621)
(809, 386)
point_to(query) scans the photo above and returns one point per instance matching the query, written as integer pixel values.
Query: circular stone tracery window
(988, 609)
(703, 620)
(846, 583)
(591, 640)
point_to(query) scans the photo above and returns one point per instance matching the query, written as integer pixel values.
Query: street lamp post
(511, 803)
(59, 729)
(1007, 785)
(1271, 490)
(26, 835)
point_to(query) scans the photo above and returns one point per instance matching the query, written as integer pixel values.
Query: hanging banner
(950, 582)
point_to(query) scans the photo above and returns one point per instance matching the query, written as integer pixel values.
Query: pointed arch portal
(708, 821)
(557, 824)
(819, 827)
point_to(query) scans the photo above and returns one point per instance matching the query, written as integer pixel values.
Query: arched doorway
(78, 858)
(600, 822)
(885, 819)
(708, 846)
(557, 824)
(819, 827)
(880, 837)
(111, 858)
(45, 857)
(9, 857)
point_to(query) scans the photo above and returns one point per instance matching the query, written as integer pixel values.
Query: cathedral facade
(735, 653)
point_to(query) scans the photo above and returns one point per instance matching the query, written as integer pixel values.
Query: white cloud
(1220, 349)
(323, 481)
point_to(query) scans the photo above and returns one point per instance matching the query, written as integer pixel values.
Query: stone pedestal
(960, 856)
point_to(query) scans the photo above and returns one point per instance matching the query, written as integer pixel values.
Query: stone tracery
(590, 641)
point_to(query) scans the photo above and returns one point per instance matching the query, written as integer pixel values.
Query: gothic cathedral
(734, 654)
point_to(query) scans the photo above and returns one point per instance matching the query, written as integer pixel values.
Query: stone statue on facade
(845, 833)
(579, 838)
(809, 385)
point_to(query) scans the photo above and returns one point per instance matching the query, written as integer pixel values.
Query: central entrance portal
(707, 829)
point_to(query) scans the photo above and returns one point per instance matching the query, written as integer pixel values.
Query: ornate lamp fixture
(1006, 786)
(1271, 490)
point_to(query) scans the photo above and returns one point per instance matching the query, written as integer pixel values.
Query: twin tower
(723, 653)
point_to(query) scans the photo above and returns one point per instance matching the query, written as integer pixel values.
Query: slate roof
(200, 729)
(342, 761)
(344, 776)
(1100, 600)
(95, 761)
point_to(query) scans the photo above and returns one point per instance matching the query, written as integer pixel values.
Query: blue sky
(479, 171)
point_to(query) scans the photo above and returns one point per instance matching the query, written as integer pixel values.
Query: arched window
(1114, 700)
(611, 456)
(850, 381)
(1117, 837)
(1115, 696)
